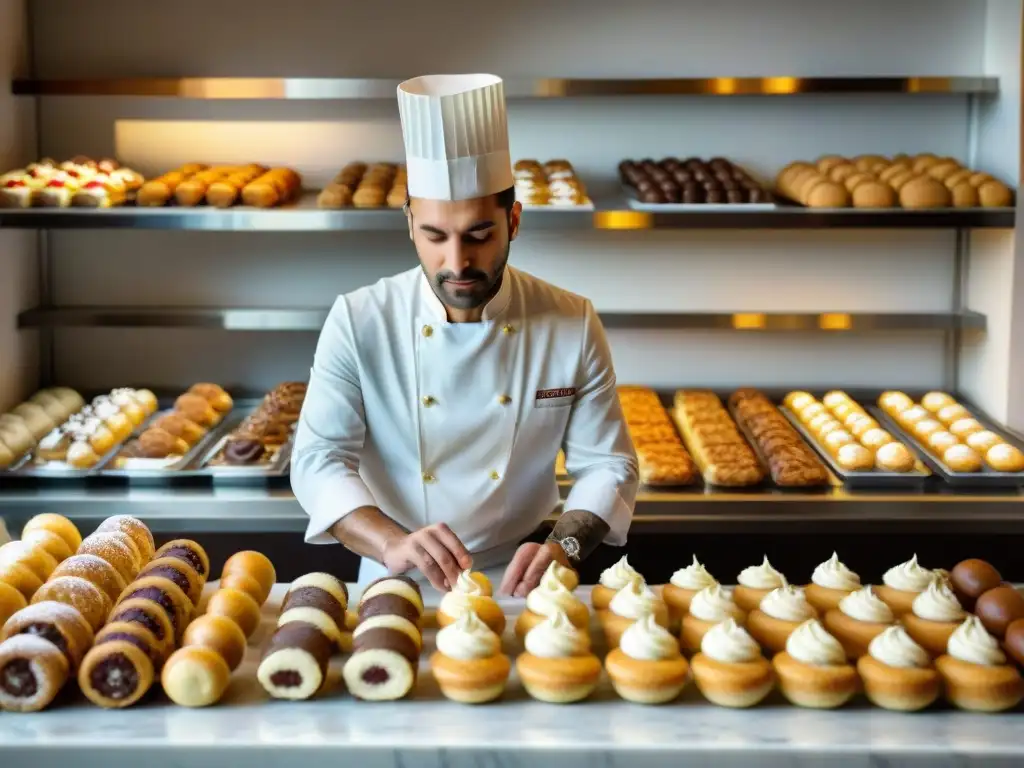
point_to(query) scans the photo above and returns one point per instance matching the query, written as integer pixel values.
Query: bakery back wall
(649, 271)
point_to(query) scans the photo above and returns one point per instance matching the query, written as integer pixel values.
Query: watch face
(571, 547)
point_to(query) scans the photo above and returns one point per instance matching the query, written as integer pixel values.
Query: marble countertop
(247, 728)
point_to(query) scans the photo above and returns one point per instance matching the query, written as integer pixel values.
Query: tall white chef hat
(456, 136)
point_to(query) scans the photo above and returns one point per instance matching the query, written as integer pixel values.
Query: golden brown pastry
(964, 195)
(137, 530)
(189, 552)
(96, 570)
(179, 425)
(58, 623)
(195, 676)
(256, 565)
(84, 596)
(226, 191)
(115, 674)
(11, 601)
(237, 606)
(276, 187)
(924, 192)
(164, 593)
(198, 409)
(334, 196)
(150, 615)
(36, 559)
(178, 571)
(873, 194)
(827, 194)
(220, 634)
(995, 194)
(21, 577)
(39, 671)
(215, 395)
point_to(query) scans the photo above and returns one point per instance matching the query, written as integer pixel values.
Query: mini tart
(471, 681)
(646, 681)
(693, 630)
(749, 598)
(578, 615)
(614, 625)
(770, 633)
(898, 688)
(812, 686)
(738, 685)
(559, 681)
(930, 635)
(900, 601)
(486, 608)
(979, 688)
(855, 636)
(825, 598)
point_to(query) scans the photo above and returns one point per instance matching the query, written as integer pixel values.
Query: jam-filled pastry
(220, 634)
(189, 552)
(32, 672)
(383, 665)
(84, 596)
(178, 571)
(103, 191)
(58, 623)
(149, 614)
(115, 674)
(294, 665)
(195, 676)
(215, 395)
(135, 633)
(167, 595)
(180, 426)
(196, 408)
(133, 527)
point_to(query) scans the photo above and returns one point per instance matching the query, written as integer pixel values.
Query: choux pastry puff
(902, 583)
(681, 588)
(897, 673)
(730, 670)
(468, 665)
(711, 606)
(755, 582)
(647, 667)
(781, 611)
(630, 604)
(468, 594)
(558, 665)
(858, 620)
(813, 671)
(549, 596)
(612, 580)
(830, 583)
(975, 671)
(936, 614)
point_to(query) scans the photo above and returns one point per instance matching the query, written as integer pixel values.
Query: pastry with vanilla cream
(830, 583)
(681, 588)
(859, 619)
(558, 665)
(549, 596)
(934, 617)
(647, 667)
(612, 580)
(902, 584)
(975, 671)
(781, 611)
(630, 604)
(754, 583)
(468, 594)
(567, 576)
(730, 670)
(813, 671)
(897, 673)
(711, 606)
(468, 665)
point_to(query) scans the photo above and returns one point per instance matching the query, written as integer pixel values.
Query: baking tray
(986, 478)
(831, 481)
(637, 205)
(873, 478)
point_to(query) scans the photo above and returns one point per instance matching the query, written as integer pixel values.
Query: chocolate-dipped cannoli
(84, 596)
(294, 665)
(58, 623)
(136, 529)
(195, 676)
(220, 634)
(32, 672)
(237, 606)
(390, 605)
(135, 633)
(320, 619)
(167, 595)
(94, 569)
(402, 586)
(383, 665)
(150, 615)
(178, 571)
(190, 552)
(116, 674)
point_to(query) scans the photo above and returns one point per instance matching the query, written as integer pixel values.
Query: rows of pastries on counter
(118, 617)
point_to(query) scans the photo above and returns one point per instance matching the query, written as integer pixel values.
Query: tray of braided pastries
(719, 449)
(663, 460)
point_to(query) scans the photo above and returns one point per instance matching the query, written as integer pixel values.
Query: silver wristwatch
(571, 546)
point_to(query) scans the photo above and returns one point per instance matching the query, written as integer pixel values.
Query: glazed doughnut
(32, 672)
(181, 573)
(96, 570)
(256, 565)
(136, 529)
(195, 676)
(219, 633)
(167, 595)
(55, 524)
(189, 552)
(150, 615)
(57, 623)
(237, 606)
(84, 596)
(116, 674)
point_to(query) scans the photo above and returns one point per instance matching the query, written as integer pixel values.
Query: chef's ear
(513, 220)
(407, 210)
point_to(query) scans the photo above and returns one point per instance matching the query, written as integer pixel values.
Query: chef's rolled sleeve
(331, 431)
(599, 453)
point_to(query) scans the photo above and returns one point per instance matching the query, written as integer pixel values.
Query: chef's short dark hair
(506, 199)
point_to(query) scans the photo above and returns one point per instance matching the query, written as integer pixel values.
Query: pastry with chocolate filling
(136, 529)
(294, 665)
(116, 674)
(243, 451)
(178, 571)
(318, 618)
(61, 624)
(189, 552)
(383, 665)
(118, 549)
(220, 634)
(167, 595)
(390, 605)
(94, 569)
(84, 596)
(254, 564)
(136, 634)
(148, 614)
(237, 606)
(384, 621)
(195, 676)
(32, 672)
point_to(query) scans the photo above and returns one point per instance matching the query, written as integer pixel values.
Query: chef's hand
(435, 551)
(528, 565)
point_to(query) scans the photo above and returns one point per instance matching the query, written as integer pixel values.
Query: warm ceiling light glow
(749, 321)
(835, 321)
(723, 86)
(622, 220)
(781, 85)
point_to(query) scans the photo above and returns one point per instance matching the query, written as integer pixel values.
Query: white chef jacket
(461, 423)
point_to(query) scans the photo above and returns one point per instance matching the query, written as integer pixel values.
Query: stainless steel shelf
(322, 88)
(253, 319)
(304, 216)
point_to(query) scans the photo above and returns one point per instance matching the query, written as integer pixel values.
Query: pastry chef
(439, 398)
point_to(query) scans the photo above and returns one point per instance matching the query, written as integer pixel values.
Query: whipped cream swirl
(832, 574)
(619, 575)
(938, 603)
(715, 604)
(550, 595)
(729, 643)
(634, 600)
(972, 643)
(895, 648)
(865, 605)
(462, 597)
(761, 576)
(646, 640)
(567, 576)
(467, 585)
(693, 577)
(557, 638)
(811, 644)
(787, 604)
(908, 576)
(468, 638)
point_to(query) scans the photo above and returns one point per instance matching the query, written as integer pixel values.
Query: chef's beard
(472, 297)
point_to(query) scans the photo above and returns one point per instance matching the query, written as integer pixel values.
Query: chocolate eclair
(167, 595)
(135, 633)
(389, 604)
(294, 665)
(178, 571)
(150, 615)
(188, 551)
(32, 672)
(402, 586)
(116, 674)
(58, 623)
(383, 665)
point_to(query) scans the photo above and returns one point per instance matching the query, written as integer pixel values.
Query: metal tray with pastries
(719, 449)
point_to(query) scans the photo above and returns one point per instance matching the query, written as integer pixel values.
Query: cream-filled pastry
(711, 606)
(781, 611)
(558, 666)
(935, 615)
(647, 667)
(681, 588)
(859, 619)
(468, 665)
(730, 670)
(468, 594)
(567, 576)
(902, 583)
(975, 671)
(631, 603)
(897, 673)
(550, 596)
(612, 580)
(754, 583)
(813, 671)
(830, 583)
